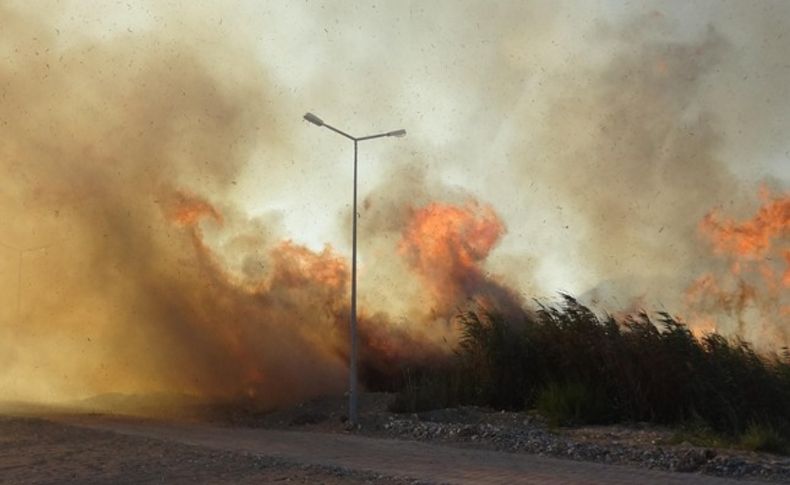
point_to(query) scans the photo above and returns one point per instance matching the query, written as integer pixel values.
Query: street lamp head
(314, 119)
(398, 133)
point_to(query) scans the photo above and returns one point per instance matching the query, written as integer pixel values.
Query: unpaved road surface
(34, 451)
(363, 459)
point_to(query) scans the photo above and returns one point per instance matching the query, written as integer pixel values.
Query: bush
(424, 390)
(760, 437)
(494, 359)
(567, 404)
(698, 433)
(577, 367)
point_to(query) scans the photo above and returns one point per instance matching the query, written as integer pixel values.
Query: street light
(352, 397)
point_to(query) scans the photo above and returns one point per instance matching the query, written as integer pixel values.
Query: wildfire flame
(191, 294)
(187, 209)
(302, 298)
(753, 239)
(446, 245)
(754, 286)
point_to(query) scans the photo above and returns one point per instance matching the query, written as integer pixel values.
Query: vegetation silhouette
(576, 367)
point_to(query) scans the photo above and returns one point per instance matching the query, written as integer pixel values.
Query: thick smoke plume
(616, 156)
(117, 158)
(102, 143)
(632, 154)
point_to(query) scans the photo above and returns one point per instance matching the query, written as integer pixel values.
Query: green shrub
(425, 391)
(572, 403)
(698, 433)
(761, 437)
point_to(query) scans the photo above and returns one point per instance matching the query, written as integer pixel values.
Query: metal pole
(352, 397)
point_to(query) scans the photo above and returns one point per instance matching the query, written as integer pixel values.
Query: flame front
(144, 197)
(754, 240)
(750, 291)
(446, 244)
(187, 210)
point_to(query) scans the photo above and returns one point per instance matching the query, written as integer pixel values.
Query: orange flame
(297, 266)
(751, 291)
(187, 209)
(755, 238)
(299, 306)
(446, 245)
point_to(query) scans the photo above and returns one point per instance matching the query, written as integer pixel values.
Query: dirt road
(390, 458)
(34, 451)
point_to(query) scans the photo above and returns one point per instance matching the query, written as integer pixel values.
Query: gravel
(642, 445)
(529, 435)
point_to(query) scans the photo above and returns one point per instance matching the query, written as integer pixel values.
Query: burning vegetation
(750, 291)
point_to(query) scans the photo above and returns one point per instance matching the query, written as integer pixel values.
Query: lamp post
(352, 396)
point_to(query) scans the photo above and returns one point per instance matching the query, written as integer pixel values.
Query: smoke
(635, 158)
(103, 145)
(641, 169)
(119, 159)
(169, 225)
